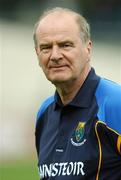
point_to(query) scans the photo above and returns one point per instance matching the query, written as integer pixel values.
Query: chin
(58, 80)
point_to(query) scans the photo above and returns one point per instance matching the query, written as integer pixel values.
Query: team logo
(78, 136)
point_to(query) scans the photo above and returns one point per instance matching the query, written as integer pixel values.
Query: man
(78, 130)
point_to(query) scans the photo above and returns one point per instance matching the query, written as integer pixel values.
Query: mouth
(59, 67)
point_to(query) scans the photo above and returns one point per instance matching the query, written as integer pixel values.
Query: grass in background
(22, 169)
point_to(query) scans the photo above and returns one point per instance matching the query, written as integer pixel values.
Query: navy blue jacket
(82, 140)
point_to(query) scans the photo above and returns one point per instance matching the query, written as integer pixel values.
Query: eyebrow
(45, 45)
(66, 41)
(61, 42)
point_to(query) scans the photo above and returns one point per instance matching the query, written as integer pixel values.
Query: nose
(55, 53)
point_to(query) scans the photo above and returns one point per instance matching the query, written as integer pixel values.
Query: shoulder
(47, 102)
(108, 96)
(109, 90)
(106, 84)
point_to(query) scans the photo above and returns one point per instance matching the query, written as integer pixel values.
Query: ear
(89, 49)
(36, 50)
(89, 46)
(37, 53)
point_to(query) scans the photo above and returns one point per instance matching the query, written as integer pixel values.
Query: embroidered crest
(77, 139)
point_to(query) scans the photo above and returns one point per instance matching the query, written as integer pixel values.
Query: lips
(58, 66)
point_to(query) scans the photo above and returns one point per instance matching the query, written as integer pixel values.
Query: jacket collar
(84, 96)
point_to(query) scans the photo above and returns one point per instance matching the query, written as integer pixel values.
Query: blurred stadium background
(23, 86)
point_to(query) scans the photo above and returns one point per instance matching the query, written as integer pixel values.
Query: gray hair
(81, 22)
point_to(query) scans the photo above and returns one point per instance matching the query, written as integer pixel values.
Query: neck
(67, 91)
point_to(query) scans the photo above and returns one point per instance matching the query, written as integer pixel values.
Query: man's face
(61, 53)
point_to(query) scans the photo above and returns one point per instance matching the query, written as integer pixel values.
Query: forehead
(57, 23)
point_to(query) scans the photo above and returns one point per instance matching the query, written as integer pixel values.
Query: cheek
(80, 60)
(43, 63)
(83, 56)
(39, 62)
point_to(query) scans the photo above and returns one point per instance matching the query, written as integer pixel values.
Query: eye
(45, 48)
(66, 45)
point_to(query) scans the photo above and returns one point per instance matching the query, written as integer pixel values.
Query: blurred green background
(19, 169)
